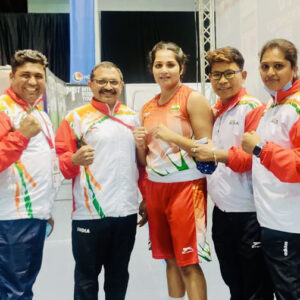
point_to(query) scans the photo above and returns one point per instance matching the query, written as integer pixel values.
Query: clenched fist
(139, 134)
(143, 213)
(83, 156)
(163, 132)
(250, 139)
(30, 126)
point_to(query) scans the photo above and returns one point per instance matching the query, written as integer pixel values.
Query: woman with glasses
(275, 148)
(176, 190)
(235, 231)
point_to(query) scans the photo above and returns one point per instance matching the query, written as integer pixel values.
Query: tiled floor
(147, 276)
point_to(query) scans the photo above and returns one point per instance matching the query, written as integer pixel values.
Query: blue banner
(82, 44)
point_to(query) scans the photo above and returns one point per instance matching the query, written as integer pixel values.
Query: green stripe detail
(175, 107)
(183, 166)
(204, 257)
(91, 125)
(251, 104)
(72, 126)
(158, 173)
(95, 202)
(128, 113)
(80, 141)
(295, 106)
(204, 252)
(97, 122)
(26, 195)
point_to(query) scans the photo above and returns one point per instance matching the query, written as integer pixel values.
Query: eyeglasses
(104, 82)
(227, 74)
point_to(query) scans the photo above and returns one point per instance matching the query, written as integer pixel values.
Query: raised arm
(66, 146)
(284, 163)
(13, 142)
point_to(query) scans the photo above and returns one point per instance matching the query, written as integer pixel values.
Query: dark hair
(180, 56)
(288, 49)
(27, 55)
(227, 54)
(105, 65)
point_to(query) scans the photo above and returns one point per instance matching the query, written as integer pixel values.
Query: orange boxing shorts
(177, 220)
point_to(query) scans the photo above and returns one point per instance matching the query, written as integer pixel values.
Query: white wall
(4, 78)
(248, 24)
(146, 5)
(62, 6)
(137, 94)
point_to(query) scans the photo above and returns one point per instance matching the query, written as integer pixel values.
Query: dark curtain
(16, 6)
(127, 37)
(48, 33)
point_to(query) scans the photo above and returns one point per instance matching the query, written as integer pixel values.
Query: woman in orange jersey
(275, 145)
(176, 190)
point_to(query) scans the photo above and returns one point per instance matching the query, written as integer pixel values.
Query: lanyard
(116, 119)
(27, 109)
(48, 135)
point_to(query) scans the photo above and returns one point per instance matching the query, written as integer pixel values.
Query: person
(28, 175)
(96, 148)
(235, 229)
(273, 140)
(175, 189)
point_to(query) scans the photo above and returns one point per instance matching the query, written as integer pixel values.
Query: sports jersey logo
(274, 120)
(256, 245)
(147, 113)
(175, 107)
(83, 230)
(187, 250)
(233, 122)
(286, 248)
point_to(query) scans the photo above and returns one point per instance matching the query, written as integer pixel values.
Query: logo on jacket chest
(175, 107)
(274, 120)
(233, 122)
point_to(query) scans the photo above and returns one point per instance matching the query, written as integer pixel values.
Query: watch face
(257, 150)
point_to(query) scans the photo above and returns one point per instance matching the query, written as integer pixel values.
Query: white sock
(181, 298)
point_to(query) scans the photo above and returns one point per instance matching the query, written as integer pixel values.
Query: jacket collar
(219, 108)
(104, 108)
(281, 95)
(10, 92)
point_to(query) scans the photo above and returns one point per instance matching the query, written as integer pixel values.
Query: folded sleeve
(238, 160)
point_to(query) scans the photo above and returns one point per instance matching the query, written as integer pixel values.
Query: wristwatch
(257, 149)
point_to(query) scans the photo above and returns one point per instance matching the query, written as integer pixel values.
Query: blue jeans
(21, 251)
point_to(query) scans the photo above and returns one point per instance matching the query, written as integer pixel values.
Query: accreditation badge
(56, 176)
